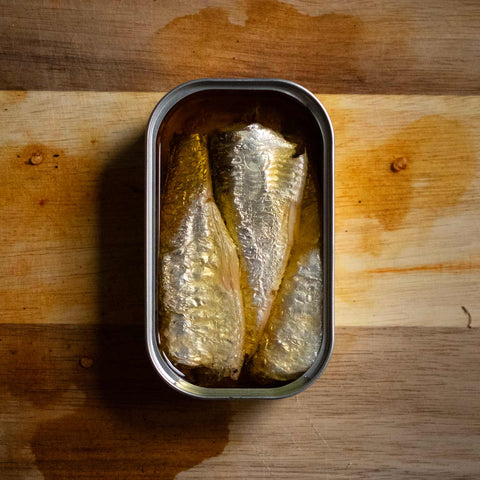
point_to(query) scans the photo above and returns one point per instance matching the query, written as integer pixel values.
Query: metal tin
(325, 168)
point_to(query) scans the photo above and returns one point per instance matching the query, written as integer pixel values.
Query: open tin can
(218, 101)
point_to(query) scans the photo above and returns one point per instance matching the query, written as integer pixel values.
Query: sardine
(258, 186)
(201, 314)
(293, 335)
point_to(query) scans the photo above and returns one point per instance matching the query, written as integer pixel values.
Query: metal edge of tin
(162, 108)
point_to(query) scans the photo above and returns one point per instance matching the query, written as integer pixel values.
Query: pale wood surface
(337, 46)
(400, 398)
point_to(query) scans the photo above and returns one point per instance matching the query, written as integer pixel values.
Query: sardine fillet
(258, 186)
(201, 312)
(293, 335)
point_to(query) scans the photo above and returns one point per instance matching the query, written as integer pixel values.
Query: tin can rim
(324, 123)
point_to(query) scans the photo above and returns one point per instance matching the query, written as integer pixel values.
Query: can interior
(208, 110)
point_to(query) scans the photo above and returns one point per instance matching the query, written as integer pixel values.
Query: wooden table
(400, 398)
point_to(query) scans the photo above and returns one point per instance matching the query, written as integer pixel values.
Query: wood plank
(71, 237)
(330, 47)
(393, 403)
(407, 250)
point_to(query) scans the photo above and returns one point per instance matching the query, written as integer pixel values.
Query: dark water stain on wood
(122, 420)
(311, 48)
(367, 47)
(441, 166)
(131, 424)
(421, 379)
(115, 419)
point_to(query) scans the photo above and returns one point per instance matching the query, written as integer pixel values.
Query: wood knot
(36, 158)
(398, 164)
(86, 362)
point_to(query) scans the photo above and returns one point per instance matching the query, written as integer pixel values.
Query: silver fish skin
(201, 313)
(293, 335)
(258, 185)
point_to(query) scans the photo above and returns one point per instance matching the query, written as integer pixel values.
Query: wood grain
(393, 403)
(78, 397)
(330, 47)
(71, 241)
